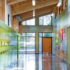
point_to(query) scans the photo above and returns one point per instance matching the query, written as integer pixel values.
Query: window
(29, 22)
(29, 42)
(28, 34)
(8, 19)
(47, 34)
(45, 20)
(24, 34)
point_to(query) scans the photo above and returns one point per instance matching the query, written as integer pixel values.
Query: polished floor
(38, 62)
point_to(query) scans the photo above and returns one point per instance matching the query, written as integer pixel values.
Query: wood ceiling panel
(20, 3)
(27, 6)
(28, 18)
(10, 2)
(40, 11)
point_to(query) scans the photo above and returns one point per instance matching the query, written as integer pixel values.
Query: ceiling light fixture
(33, 2)
(33, 13)
(59, 4)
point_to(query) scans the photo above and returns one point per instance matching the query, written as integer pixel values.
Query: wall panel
(20, 29)
(2, 10)
(15, 24)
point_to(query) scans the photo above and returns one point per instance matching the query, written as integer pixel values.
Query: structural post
(17, 46)
(37, 37)
(37, 43)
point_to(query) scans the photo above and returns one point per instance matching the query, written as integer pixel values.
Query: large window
(27, 43)
(45, 20)
(29, 22)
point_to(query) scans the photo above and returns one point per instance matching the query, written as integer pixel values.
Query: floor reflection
(6, 59)
(38, 62)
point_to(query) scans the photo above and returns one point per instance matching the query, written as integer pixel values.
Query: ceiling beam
(28, 6)
(26, 14)
(10, 2)
(37, 12)
(28, 18)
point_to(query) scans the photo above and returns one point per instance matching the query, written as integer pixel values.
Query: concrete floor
(38, 62)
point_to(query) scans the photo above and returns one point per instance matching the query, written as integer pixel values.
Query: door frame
(42, 43)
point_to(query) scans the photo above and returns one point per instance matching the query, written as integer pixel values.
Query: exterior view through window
(29, 22)
(28, 42)
(45, 20)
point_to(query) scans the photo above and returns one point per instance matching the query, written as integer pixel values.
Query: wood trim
(2, 10)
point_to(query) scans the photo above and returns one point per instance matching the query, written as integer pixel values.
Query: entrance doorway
(41, 36)
(46, 45)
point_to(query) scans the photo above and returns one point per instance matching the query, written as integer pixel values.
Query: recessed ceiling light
(33, 2)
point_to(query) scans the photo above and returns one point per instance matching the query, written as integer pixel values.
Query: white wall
(7, 11)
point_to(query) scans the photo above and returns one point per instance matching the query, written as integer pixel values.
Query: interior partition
(8, 46)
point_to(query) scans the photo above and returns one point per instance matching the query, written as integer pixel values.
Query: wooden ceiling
(13, 2)
(25, 8)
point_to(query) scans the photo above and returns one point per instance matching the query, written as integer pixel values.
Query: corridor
(38, 62)
(34, 34)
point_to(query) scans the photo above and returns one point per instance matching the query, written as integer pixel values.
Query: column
(37, 37)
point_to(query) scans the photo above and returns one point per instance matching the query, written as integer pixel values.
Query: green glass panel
(68, 45)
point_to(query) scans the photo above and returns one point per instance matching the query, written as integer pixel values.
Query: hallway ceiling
(24, 8)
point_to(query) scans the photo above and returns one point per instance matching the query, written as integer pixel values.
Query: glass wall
(40, 39)
(45, 20)
(8, 46)
(27, 43)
